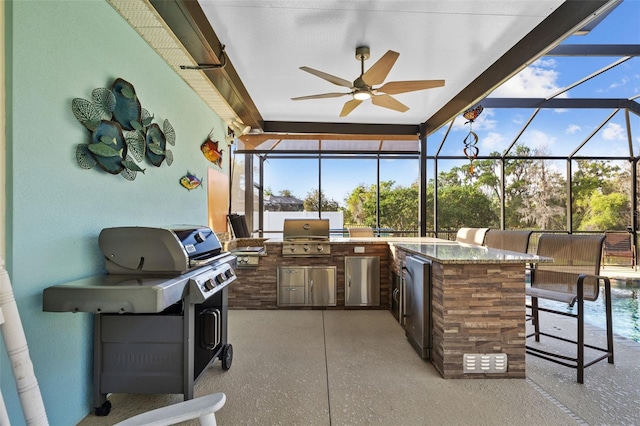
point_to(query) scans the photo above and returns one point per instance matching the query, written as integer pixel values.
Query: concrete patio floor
(318, 367)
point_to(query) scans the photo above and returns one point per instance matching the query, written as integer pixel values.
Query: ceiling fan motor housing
(362, 53)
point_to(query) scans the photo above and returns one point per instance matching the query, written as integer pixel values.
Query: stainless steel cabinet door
(362, 281)
(417, 281)
(322, 286)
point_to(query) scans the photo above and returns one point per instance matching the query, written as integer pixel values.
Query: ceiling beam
(566, 19)
(562, 103)
(595, 50)
(190, 25)
(340, 128)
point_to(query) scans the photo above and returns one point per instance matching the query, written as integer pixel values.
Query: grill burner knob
(293, 248)
(209, 285)
(306, 248)
(200, 237)
(320, 248)
(220, 278)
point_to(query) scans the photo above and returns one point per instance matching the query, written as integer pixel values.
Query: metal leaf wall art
(121, 133)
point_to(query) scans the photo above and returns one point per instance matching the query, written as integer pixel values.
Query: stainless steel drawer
(290, 296)
(292, 286)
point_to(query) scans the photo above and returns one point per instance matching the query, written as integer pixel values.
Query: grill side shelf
(114, 294)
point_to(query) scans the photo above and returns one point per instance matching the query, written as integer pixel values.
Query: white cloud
(572, 129)
(616, 84)
(538, 80)
(538, 139)
(613, 132)
(492, 142)
(518, 119)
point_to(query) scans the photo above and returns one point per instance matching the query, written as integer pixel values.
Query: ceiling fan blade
(349, 106)
(395, 87)
(378, 71)
(330, 78)
(320, 96)
(387, 101)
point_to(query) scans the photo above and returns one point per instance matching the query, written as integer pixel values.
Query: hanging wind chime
(470, 149)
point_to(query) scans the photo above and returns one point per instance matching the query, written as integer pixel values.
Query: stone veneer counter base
(477, 302)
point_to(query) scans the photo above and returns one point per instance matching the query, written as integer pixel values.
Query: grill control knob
(320, 247)
(209, 284)
(292, 248)
(220, 278)
(306, 248)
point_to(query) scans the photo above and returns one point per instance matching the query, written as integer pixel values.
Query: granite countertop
(454, 252)
(443, 251)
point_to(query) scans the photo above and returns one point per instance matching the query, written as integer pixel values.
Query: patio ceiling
(473, 45)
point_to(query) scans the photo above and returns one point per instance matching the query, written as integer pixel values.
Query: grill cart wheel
(227, 356)
(104, 409)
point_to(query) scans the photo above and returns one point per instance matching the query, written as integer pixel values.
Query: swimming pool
(625, 303)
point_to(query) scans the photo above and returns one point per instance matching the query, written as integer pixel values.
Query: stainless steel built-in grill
(161, 312)
(306, 238)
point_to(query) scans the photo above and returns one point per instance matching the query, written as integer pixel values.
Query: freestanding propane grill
(160, 314)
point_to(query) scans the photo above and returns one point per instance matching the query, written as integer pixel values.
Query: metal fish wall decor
(190, 181)
(211, 151)
(121, 132)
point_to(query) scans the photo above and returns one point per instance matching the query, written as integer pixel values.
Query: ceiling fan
(362, 87)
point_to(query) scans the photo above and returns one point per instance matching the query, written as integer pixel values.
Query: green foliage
(398, 206)
(590, 177)
(460, 206)
(534, 193)
(312, 202)
(606, 212)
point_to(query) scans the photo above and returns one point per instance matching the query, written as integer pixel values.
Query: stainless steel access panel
(417, 293)
(362, 281)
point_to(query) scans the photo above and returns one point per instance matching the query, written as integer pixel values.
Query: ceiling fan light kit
(361, 95)
(362, 87)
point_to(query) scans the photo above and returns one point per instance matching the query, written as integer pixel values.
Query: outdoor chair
(507, 240)
(362, 232)
(572, 278)
(203, 408)
(238, 224)
(619, 244)
(471, 235)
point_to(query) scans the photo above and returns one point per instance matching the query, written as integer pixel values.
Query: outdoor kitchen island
(477, 301)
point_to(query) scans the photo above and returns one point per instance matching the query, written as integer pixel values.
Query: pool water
(625, 303)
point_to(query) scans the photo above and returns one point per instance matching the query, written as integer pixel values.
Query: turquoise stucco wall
(56, 51)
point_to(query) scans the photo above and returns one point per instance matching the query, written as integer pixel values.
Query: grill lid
(306, 229)
(134, 249)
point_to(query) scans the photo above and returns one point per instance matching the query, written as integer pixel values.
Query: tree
(544, 199)
(460, 206)
(312, 202)
(361, 207)
(606, 212)
(594, 179)
(398, 206)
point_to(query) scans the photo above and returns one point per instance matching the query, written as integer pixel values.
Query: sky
(554, 132)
